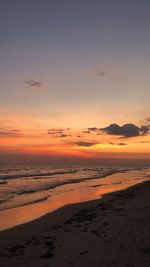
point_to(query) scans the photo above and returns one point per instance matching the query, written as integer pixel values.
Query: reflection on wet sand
(71, 193)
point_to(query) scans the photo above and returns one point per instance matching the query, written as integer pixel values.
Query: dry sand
(112, 231)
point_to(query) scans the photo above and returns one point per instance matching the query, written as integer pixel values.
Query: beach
(111, 231)
(26, 197)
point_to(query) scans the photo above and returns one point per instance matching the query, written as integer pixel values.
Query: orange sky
(53, 144)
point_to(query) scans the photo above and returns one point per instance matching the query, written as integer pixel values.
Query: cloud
(110, 72)
(118, 79)
(64, 135)
(58, 133)
(144, 130)
(127, 130)
(148, 119)
(122, 144)
(86, 132)
(144, 142)
(33, 84)
(99, 73)
(12, 133)
(118, 144)
(111, 143)
(87, 144)
(55, 131)
(92, 129)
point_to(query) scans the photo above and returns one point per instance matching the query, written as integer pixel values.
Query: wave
(51, 186)
(47, 187)
(71, 181)
(25, 204)
(26, 175)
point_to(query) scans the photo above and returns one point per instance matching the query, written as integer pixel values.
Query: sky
(74, 81)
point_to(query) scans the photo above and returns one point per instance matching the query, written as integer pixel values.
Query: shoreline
(88, 230)
(70, 193)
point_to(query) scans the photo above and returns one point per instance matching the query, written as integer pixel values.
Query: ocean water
(26, 184)
(39, 189)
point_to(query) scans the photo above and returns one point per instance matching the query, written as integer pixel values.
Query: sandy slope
(113, 231)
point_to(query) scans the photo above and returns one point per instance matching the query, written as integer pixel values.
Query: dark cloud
(118, 144)
(99, 73)
(58, 133)
(144, 142)
(144, 130)
(111, 143)
(12, 133)
(113, 75)
(92, 129)
(122, 144)
(55, 131)
(148, 119)
(127, 130)
(33, 83)
(86, 132)
(64, 135)
(83, 143)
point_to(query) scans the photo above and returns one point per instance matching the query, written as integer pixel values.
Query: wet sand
(111, 231)
(68, 194)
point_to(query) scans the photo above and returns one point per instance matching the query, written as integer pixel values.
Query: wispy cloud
(110, 72)
(122, 144)
(144, 142)
(58, 133)
(118, 144)
(86, 132)
(86, 144)
(12, 133)
(64, 135)
(55, 131)
(33, 83)
(92, 129)
(148, 119)
(99, 73)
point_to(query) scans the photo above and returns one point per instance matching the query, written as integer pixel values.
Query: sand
(112, 231)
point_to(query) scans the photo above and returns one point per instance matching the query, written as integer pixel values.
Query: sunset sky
(74, 80)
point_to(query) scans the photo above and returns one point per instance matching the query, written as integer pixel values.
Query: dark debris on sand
(114, 231)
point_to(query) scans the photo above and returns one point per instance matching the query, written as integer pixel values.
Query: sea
(28, 192)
